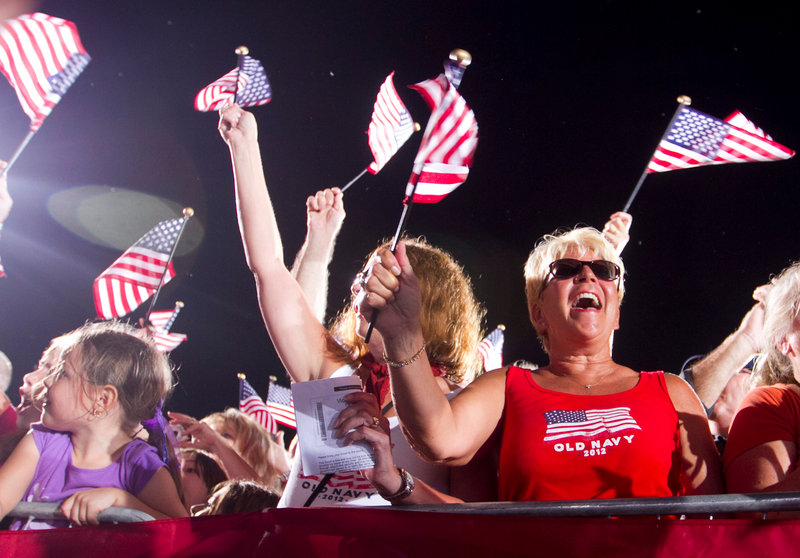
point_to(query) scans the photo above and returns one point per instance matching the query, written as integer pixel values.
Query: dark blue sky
(570, 101)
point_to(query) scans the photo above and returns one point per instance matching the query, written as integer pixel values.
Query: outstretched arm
(325, 214)
(443, 431)
(712, 374)
(298, 336)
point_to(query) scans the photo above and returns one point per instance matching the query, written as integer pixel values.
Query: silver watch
(406, 487)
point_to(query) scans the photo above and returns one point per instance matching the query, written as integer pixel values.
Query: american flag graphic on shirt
(345, 479)
(587, 423)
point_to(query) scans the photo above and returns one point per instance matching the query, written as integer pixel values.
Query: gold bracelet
(405, 362)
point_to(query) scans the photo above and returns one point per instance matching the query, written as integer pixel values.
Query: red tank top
(560, 446)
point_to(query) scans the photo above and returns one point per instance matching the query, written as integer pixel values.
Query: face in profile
(29, 409)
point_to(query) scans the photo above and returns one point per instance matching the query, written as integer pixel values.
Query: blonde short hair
(781, 308)
(252, 442)
(554, 246)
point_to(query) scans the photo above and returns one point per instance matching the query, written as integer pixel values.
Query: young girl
(86, 452)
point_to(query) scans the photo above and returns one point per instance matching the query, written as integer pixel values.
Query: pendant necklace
(587, 386)
(598, 382)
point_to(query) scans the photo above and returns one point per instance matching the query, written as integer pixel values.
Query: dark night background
(571, 100)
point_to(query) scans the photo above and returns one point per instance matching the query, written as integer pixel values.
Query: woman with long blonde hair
(451, 318)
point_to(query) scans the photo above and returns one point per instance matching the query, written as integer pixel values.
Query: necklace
(587, 386)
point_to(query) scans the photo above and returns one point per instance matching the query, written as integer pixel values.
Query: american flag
(696, 139)
(253, 406)
(41, 56)
(166, 341)
(135, 275)
(448, 145)
(390, 127)
(352, 480)
(281, 404)
(587, 423)
(491, 349)
(161, 321)
(253, 88)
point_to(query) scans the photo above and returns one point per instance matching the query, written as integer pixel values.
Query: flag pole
(187, 214)
(683, 100)
(241, 52)
(408, 203)
(362, 173)
(178, 306)
(417, 128)
(454, 68)
(16, 154)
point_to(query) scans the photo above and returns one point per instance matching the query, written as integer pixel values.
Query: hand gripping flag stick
(447, 146)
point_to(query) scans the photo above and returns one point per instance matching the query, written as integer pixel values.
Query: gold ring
(376, 421)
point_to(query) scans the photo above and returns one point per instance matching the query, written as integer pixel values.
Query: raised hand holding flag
(446, 150)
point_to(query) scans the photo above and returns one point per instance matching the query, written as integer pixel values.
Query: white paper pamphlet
(316, 405)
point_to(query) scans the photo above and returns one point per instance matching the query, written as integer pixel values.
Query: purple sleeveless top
(56, 477)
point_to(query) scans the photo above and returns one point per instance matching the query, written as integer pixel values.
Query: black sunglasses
(569, 267)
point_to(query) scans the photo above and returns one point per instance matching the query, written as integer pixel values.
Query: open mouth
(587, 301)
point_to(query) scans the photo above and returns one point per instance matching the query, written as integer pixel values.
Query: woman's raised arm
(298, 336)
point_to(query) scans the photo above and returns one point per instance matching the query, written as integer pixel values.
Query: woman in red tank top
(583, 426)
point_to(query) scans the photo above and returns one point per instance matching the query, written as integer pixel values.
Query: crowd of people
(90, 430)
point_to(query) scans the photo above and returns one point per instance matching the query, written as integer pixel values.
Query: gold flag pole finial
(461, 57)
